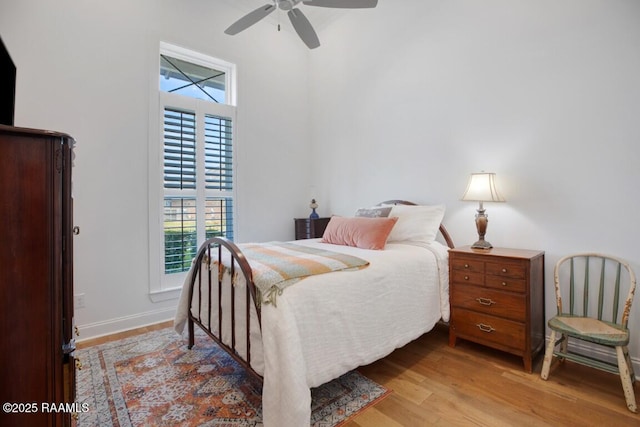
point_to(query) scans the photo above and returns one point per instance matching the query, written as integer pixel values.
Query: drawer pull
(504, 270)
(485, 301)
(466, 266)
(504, 283)
(485, 328)
(466, 277)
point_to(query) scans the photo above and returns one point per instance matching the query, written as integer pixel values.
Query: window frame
(203, 60)
(164, 286)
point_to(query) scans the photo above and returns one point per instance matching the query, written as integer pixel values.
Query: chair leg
(625, 377)
(564, 346)
(548, 356)
(632, 375)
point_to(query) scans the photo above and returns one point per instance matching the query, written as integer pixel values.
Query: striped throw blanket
(277, 265)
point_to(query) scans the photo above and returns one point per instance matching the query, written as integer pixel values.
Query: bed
(324, 325)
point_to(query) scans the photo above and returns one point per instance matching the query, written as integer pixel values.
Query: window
(194, 167)
(181, 225)
(192, 80)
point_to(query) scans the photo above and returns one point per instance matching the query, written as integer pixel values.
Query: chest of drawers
(36, 276)
(497, 299)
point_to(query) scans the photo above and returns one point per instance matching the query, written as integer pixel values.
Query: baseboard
(126, 323)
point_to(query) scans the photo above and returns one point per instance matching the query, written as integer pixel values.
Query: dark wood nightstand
(497, 299)
(308, 228)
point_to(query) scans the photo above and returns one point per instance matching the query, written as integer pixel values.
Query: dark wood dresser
(36, 277)
(310, 228)
(497, 299)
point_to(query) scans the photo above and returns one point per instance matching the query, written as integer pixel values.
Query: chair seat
(589, 329)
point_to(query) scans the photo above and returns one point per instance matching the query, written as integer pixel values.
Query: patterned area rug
(154, 380)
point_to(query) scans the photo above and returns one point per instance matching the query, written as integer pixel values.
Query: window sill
(165, 294)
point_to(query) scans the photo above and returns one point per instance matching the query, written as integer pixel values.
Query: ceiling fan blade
(342, 4)
(250, 19)
(304, 29)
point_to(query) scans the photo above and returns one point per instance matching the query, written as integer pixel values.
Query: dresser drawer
(468, 277)
(485, 328)
(468, 265)
(506, 283)
(506, 269)
(503, 304)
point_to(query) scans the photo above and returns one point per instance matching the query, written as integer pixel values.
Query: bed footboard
(218, 255)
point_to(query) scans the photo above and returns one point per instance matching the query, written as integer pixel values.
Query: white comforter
(327, 325)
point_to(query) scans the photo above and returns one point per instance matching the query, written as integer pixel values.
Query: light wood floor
(470, 385)
(436, 385)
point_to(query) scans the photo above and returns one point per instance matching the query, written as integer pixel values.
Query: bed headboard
(443, 230)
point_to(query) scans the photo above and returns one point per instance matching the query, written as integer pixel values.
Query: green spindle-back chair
(594, 285)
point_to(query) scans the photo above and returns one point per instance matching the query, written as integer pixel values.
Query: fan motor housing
(287, 4)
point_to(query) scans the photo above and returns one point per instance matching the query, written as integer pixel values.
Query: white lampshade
(482, 188)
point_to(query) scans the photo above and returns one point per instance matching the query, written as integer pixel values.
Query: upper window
(192, 80)
(195, 75)
(194, 170)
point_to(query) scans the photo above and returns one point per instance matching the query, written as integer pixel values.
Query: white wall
(403, 101)
(84, 68)
(410, 98)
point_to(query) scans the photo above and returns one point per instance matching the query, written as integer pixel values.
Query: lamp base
(481, 244)
(481, 225)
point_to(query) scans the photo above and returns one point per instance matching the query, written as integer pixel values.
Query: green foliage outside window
(180, 247)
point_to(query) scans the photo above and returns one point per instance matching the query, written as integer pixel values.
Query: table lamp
(482, 188)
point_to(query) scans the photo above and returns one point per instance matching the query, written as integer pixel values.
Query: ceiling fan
(299, 21)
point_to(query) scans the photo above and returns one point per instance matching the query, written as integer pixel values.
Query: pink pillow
(361, 232)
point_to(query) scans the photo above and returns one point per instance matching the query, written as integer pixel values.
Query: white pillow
(416, 223)
(374, 212)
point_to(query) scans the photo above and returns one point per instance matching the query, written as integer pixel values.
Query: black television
(7, 86)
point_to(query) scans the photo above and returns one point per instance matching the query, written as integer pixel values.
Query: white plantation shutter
(198, 182)
(218, 149)
(218, 153)
(197, 178)
(179, 149)
(180, 206)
